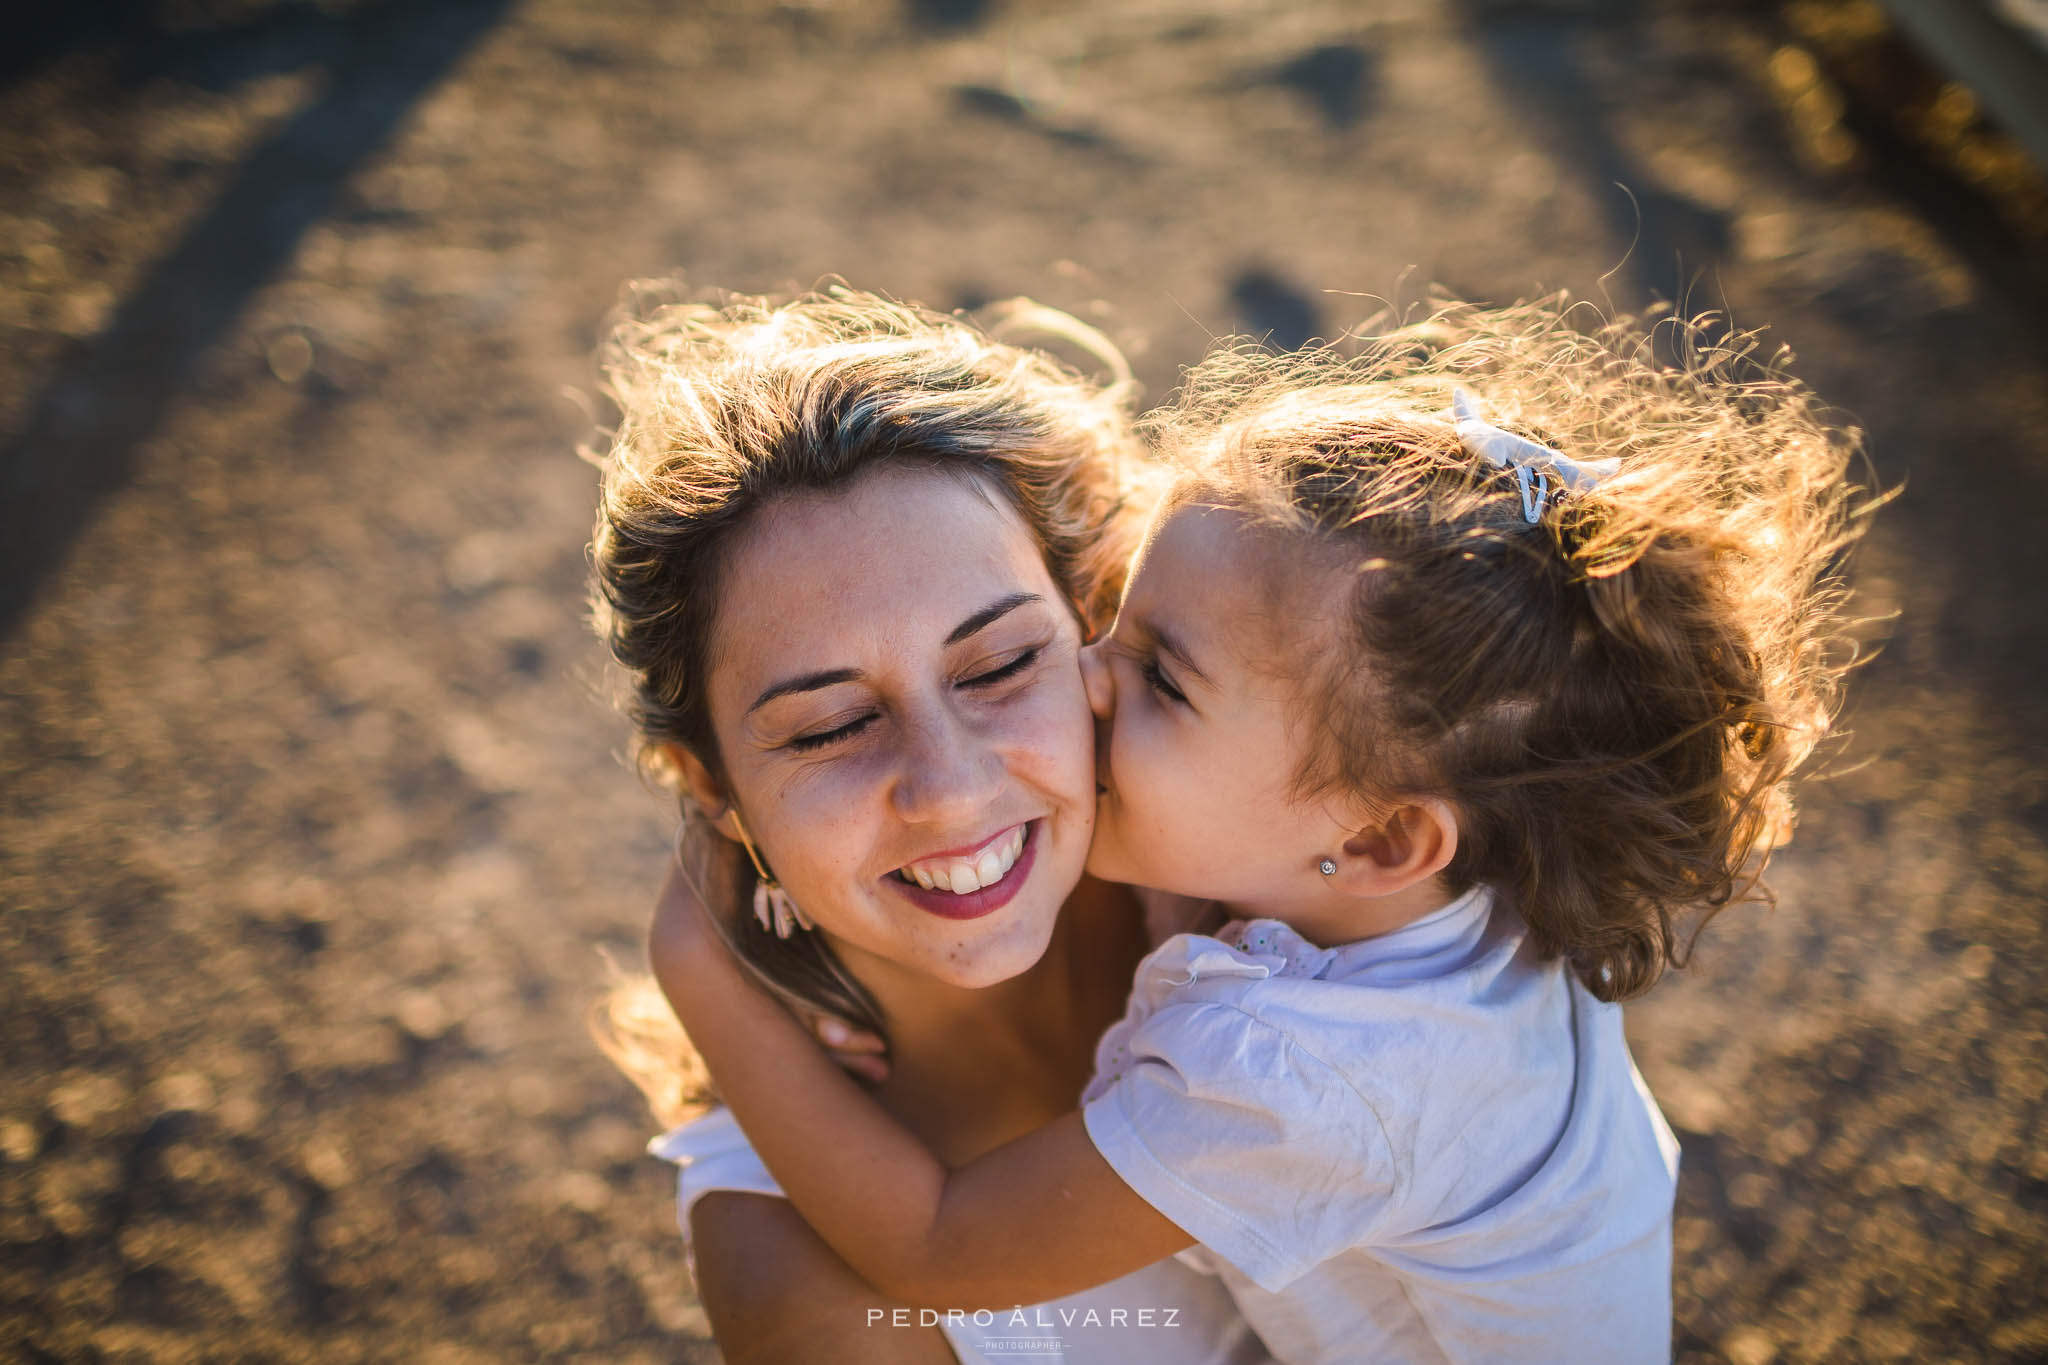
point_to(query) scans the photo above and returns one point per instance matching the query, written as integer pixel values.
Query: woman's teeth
(962, 875)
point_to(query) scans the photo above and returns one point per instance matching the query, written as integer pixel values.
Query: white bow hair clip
(1528, 460)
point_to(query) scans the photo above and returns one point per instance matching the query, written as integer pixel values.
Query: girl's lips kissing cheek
(972, 882)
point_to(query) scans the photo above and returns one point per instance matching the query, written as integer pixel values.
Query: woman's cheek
(813, 807)
(812, 786)
(1053, 738)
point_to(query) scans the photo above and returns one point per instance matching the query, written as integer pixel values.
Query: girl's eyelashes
(1155, 678)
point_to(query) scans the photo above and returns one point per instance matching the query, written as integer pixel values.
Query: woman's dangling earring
(772, 905)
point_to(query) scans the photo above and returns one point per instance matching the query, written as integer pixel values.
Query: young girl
(1459, 675)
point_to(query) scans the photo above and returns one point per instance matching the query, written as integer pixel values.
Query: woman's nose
(950, 775)
(1098, 681)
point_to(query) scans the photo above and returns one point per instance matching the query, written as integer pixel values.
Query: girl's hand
(857, 1051)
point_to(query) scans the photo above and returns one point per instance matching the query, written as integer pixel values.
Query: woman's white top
(1427, 1146)
(1166, 1314)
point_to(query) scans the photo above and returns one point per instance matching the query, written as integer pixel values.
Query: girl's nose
(1098, 681)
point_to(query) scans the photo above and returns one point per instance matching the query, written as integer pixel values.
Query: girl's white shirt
(1427, 1146)
(1168, 1313)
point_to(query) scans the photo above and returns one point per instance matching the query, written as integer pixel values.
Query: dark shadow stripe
(49, 32)
(1538, 61)
(110, 393)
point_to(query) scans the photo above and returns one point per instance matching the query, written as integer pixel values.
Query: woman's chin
(989, 952)
(979, 976)
(1008, 951)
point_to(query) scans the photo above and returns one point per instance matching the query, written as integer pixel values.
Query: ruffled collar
(1283, 952)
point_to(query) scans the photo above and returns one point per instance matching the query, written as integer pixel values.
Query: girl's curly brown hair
(726, 406)
(1612, 698)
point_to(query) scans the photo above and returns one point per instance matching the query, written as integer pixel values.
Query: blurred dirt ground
(313, 827)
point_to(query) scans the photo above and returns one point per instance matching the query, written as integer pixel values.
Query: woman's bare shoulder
(1137, 919)
(1105, 915)
(1167, 914)
(777, 1295)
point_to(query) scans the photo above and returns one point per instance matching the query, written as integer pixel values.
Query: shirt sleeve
(712, 1154)
(1253, 1146)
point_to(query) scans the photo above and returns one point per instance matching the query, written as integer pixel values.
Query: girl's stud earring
(1327, 868)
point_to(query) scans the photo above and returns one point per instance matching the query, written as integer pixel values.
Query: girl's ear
(703, 789)
(1412, 844)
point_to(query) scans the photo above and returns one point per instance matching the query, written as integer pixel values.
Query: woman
(847, 553)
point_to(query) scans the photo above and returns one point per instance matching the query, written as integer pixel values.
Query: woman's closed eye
(818, 739)
(1003, 672)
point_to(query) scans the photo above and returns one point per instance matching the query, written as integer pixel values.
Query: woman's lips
(974, 904)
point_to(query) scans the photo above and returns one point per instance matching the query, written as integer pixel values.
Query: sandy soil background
(313, 826)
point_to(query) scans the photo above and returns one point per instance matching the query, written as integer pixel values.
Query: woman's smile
(972, 882)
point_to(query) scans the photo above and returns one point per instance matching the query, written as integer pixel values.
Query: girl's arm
(776, 1295)
(1038, 1218)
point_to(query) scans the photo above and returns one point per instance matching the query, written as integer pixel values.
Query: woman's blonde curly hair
(1613, 698)
(726, 406)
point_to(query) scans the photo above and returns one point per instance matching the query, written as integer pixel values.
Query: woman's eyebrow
(832, 677)
(808, 682)
(989, 614)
